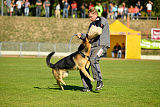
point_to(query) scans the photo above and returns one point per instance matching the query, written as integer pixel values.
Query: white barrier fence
(36, 49)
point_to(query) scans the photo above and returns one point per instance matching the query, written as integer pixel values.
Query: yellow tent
(119, 33)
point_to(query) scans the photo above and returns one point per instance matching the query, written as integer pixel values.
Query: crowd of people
(111, 11)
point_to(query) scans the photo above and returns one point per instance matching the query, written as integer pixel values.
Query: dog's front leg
(88, 64)
(86, 73)
(60, 86)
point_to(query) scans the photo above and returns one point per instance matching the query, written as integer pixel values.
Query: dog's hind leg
(86, 73)
(61, 77)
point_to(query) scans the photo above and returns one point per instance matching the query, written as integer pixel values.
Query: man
(74, 9)
(65, 8)
(149, 8)
(8, 4)
(57, 10)
(99, 37)
(116, 50)
(138, 4)
(19, 4)
(38, 8)
(99, 9)
(46, 6)
(26, 10)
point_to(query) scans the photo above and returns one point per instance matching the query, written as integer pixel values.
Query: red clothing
(136, 10)
(74, 5)
(131, 10)
(90, 6)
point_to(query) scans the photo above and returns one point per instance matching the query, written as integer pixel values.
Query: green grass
(128, 83)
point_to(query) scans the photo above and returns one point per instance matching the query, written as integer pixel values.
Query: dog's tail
(48, 60)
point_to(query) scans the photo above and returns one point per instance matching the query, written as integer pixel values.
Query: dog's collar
(83, 55)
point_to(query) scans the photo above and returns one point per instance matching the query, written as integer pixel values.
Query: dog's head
(85, 46)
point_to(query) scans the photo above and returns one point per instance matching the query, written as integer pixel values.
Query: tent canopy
(120, 29)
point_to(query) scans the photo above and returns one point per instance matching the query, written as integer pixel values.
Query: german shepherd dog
(77, 60)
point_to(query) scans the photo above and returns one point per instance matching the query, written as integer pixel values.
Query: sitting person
(123, 50)
(117, 51)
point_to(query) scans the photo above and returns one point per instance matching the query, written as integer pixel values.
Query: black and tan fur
(77, 60)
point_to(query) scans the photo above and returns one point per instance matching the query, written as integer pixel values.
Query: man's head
(93, 14)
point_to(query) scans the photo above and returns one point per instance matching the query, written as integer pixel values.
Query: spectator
(12, 7)
(99, 9)
(65, 8)
(125, 11)
(19, 4)
(120, 11)
(83, 10)
(136, 12)
(138, 4)
(90, 5)
(8, 4)
(149, 8)
(57, 10)
(105, 11)
(46, 6)
(123, 50)
(26, 10)
(114, 11)
(116, 51)
(110, 10)
(131, 12)
(74, 9)
(38, 8)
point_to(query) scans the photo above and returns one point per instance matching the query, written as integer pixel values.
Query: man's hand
(79, 35)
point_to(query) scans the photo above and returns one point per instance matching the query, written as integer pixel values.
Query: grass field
(26, 82)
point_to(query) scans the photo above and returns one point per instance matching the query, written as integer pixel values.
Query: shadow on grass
(66, 87)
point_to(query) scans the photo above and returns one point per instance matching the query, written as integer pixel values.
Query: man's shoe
(86, 90)
(99, 85)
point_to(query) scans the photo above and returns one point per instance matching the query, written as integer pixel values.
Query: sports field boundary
(59, 54)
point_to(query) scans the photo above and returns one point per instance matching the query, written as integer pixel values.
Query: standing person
(99, 9)
(138, 4)
(125, 11)
(149, 8)
(12, 7)
(38, 8)
(105, 12)
(74, 9)
(90, 5)
(100, 41)
(120, 11)
(26, 9)
(114, 10)
(65, 8)
(57, 10)
(83, 10)
(19, 4)
(46, 6)
(8, 4)
(110, 10)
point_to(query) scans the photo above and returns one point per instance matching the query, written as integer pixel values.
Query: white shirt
(19, 4)
(149, 6)
(58, 7)
(120, 10)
